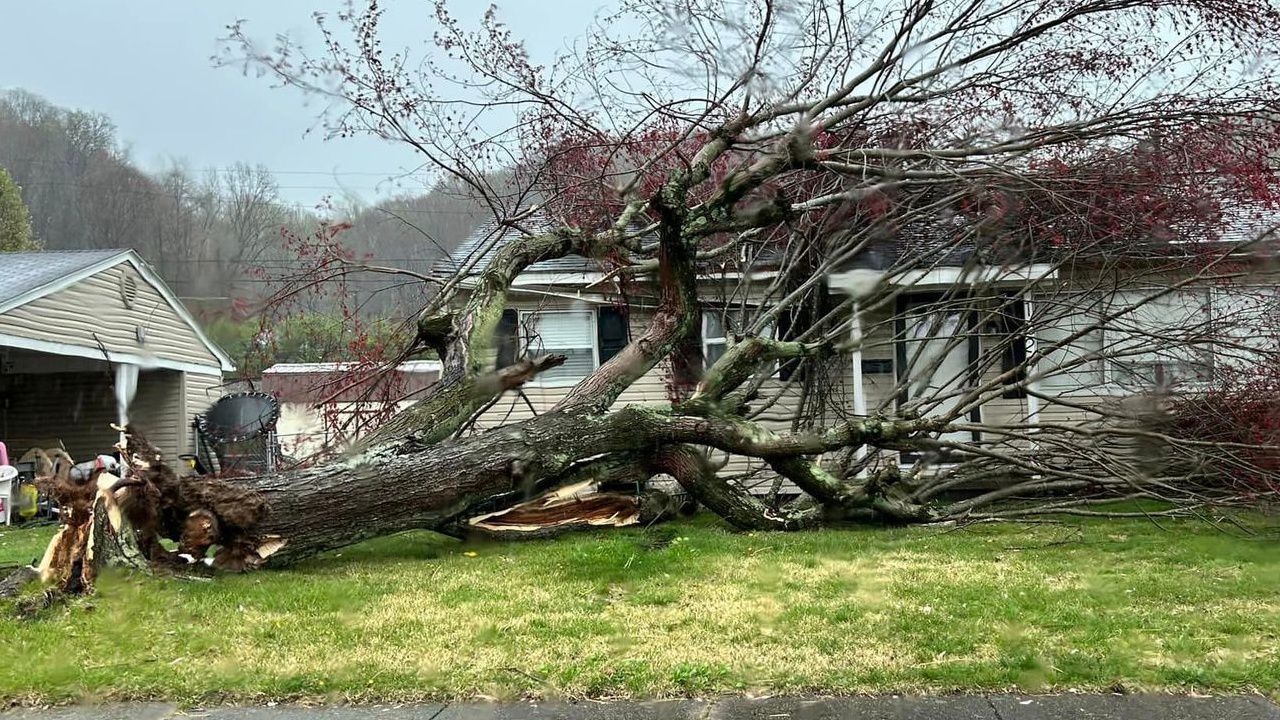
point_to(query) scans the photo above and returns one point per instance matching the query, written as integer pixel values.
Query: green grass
(1082, 604)
(19, 546)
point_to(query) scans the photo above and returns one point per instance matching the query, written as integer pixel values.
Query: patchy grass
(690, 608)
(21, 546)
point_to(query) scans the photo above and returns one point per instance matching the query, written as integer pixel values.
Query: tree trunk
(378, 494)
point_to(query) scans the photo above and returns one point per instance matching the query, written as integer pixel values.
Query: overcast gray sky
(146, 64)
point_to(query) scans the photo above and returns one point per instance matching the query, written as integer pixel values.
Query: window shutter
(508, 337)
(611, 331)
(1013, 330)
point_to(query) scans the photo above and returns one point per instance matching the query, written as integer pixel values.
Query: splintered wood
(571, 507)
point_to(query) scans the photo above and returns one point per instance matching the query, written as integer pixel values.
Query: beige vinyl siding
(159, 410)
(93, 310)
(202, 391)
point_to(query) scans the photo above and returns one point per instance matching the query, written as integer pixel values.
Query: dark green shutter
(612, 332)
(1013, 333)
(508, 337)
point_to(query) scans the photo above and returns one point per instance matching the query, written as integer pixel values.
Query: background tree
(15, 221)
(767, 151)
(203, 229)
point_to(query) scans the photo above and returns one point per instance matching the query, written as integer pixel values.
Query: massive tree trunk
(383, 492)
(397, 485)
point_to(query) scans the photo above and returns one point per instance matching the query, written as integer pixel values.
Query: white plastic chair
(8, 477)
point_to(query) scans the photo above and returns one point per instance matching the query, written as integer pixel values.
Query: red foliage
(365, 394)
(1242, 408)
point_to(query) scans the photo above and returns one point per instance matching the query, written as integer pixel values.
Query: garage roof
(26, 276)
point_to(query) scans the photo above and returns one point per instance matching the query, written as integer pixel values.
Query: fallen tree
(743, 169)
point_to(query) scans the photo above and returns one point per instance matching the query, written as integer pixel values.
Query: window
(571, 333)
(1159, 341)
(612, 331)
(717, 326)
(1152, 341)
(1246, 324)
(1068, 364)
(877, 366)
(587, 338)
(714, 338)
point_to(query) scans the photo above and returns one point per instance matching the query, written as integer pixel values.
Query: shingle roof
(468, 253)
(951, 243)
(22, 272)
(1246, 225)
(938, 242)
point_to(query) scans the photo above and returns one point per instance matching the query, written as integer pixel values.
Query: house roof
(951, 243)
(334, 382)
(1246, 225)
(480, 247)
(938, 242)
(27, 276)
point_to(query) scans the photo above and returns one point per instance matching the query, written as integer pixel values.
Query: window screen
(570, 333)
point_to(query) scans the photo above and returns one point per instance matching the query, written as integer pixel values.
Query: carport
(73, 326)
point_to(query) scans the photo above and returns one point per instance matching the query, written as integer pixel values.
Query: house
(324, 404)
(561, 306)
(950, 320)
(78, 328)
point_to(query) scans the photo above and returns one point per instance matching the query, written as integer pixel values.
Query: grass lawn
(690, 608)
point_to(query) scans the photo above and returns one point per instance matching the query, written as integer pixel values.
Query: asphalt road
(967, 707)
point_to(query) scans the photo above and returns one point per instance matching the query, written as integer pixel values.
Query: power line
(282, 203)
(253, 166)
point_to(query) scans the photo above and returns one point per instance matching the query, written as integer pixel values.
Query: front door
(937, 351)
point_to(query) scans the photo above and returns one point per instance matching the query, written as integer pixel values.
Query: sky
(146, 64)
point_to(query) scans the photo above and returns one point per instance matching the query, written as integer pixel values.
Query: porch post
(1033, 379)
(855, 340)
(859, 391)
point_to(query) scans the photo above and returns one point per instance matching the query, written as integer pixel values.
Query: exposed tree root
(196, 513)
(28, 607)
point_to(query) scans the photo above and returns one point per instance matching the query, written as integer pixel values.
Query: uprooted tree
(1033, 233)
